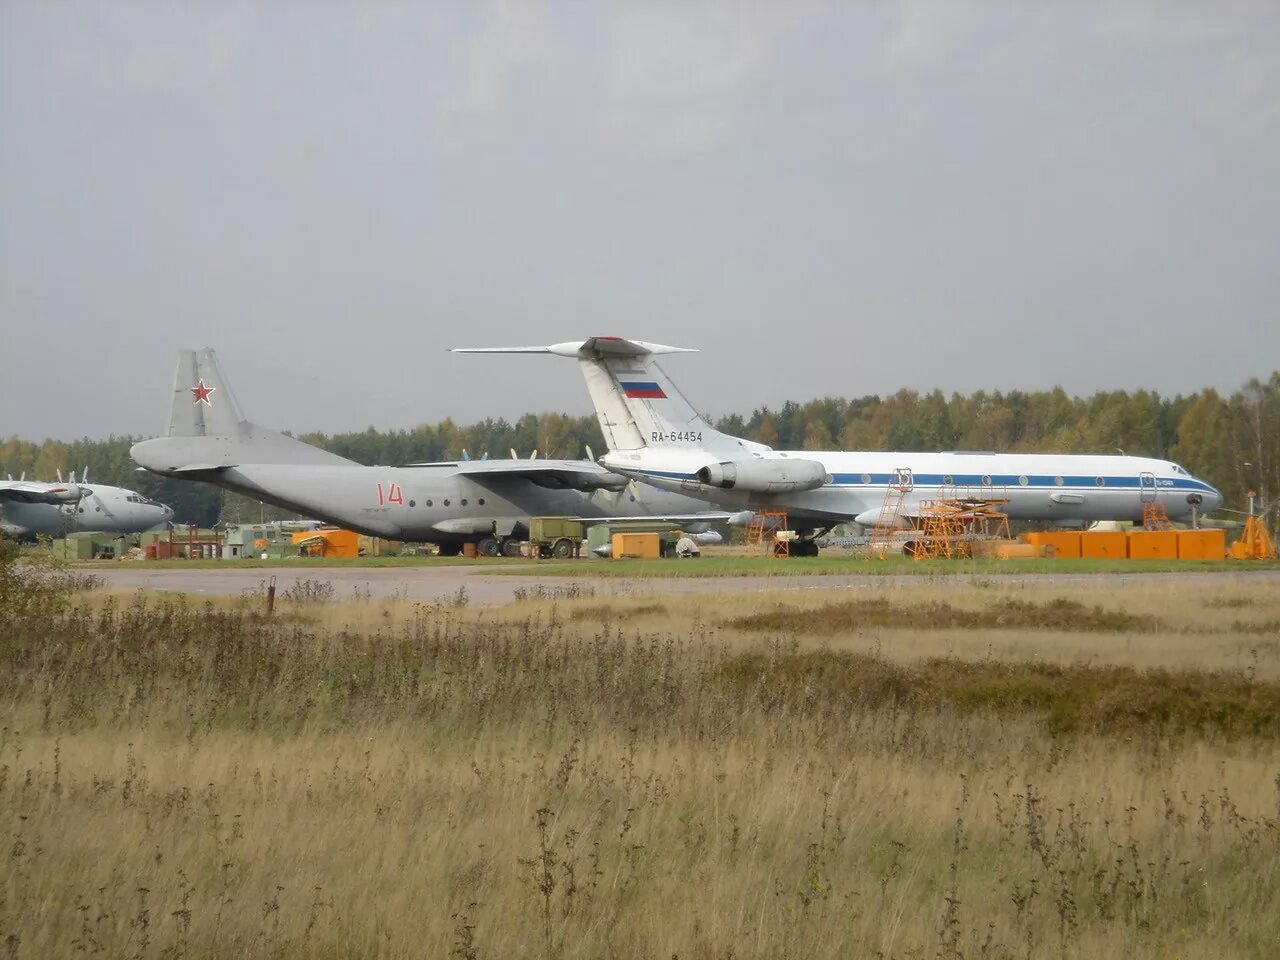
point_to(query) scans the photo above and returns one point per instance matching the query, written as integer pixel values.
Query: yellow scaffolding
(889, 521)
(1155, 517)
(949, 527)
(761, 529)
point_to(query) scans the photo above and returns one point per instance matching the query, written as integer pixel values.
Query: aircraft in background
(486, 502)
(655, 435)
(33, 509)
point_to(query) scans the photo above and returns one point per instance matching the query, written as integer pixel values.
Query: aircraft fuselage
(432, 503)
(1057, 488)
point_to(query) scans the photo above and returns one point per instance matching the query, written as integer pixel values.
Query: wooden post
(271, 596)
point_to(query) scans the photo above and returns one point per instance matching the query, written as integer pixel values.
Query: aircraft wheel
(450, 549)
(488, 547)
(511, 547)
(562, 549)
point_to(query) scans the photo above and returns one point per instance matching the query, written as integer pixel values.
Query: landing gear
(510, 547)
(450, 549)
(489, 547)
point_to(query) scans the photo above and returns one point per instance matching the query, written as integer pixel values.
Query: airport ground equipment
(559, 537)
(1255, 542)
(1151, 544)
(1205, 543)
(949, 528)
(600, 535)
(1058, 544)
(637, 546)
(328, 542)
(763, 532)
(1155, 517)
(90, 546)
(886, 530)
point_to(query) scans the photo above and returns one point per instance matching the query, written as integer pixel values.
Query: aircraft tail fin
(208, 430)
(637, 404)
(203, 404)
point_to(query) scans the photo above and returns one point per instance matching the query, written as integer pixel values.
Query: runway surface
(443, 583)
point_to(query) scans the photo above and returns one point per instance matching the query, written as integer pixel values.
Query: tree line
(1232, 441)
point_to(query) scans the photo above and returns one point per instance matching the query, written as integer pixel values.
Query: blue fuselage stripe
(1010, 481)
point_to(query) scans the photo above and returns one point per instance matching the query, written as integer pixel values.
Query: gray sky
(826, 199)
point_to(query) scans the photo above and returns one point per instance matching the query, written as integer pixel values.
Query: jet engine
(774, 475)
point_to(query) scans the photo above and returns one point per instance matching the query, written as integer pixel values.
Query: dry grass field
(952, 771)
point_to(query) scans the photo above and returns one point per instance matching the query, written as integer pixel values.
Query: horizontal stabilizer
(593, 346)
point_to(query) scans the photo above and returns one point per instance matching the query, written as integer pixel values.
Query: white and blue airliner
(656, 436)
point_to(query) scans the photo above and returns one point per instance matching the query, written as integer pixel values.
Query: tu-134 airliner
(656, 436)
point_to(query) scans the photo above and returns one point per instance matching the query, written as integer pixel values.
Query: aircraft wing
(706, 516)
(28, 491)
(552, 474)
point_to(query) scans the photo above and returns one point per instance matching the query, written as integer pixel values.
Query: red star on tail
(201, 393)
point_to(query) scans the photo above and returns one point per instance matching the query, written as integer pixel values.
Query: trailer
(559, 537)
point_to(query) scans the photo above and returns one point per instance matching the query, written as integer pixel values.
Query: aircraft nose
(1213, 499)
(168, 513)
(1210, 499)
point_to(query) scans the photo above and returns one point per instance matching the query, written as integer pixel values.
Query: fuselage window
(1058, 481)
(446, 502)
(481, 501)
(866, 478)
(464, 501)
(428, 502)
(1101, 481)
(1023, 480)
(986, 480)
(948, 480)
(413, 503)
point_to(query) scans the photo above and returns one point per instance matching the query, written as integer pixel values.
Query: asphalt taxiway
(436, 583)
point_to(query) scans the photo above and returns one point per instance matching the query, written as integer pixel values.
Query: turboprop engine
(774, 475)
(65, 493)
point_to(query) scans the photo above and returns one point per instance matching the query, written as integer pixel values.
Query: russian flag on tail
(642, 390)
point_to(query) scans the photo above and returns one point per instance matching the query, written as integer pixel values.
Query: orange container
(1062, 544)
(1202, 544)
(1153, 544)
(1103, 545)
(329, 542)
(646, 546)
(1017, 551)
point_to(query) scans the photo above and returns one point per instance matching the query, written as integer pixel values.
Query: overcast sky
(840, 199)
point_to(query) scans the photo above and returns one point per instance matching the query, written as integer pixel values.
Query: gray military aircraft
(33, 509)
(486, 502)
